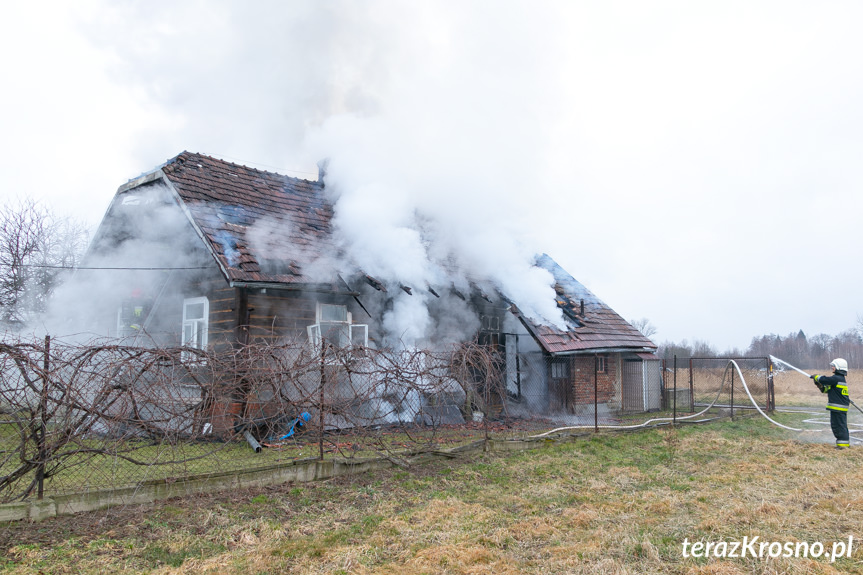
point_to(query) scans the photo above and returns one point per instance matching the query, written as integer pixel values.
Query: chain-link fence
(583, 390)
(729, 384)
(100, 416)
(628, 389)
(96, 416)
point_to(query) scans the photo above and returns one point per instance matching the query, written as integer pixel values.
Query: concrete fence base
(297, 471)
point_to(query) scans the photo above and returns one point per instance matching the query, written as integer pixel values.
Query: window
(333, 313)
(490, 323)
(558, 370)
(601, 363)
(196, 312)
(334, 326)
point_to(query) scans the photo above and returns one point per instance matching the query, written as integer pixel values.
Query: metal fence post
(691, 389)
(596, 393)
(486, 399)
(321, 403)
(674, 401)
(43, 428)
(771, 397)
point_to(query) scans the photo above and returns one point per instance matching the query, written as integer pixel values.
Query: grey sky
(695, 163)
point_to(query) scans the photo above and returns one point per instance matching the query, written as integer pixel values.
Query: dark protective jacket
(836, 389)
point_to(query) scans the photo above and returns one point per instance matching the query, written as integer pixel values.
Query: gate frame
(770, 399)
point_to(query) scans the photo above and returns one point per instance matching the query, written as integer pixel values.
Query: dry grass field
(621, 503)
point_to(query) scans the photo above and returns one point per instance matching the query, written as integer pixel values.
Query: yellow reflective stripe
(836, 407)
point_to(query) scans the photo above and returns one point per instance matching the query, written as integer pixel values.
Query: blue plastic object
(296, 424)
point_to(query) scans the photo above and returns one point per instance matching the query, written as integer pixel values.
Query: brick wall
(583, 380)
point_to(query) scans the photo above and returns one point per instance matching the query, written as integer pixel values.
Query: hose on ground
(731, 365)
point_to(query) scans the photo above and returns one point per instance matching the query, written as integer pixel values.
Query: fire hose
(640, 425)
(777, 360)
(816, 421)
(731, 364)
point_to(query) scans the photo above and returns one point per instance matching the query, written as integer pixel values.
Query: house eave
(311, 288)
(598, 350)
(141, 180)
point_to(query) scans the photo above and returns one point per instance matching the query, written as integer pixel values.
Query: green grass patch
(604, 503)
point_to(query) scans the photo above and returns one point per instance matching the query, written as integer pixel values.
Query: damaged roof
(592, 325)
(266, 228)
(291, 218)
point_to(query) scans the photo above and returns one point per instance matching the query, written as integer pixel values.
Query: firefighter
(838, 400)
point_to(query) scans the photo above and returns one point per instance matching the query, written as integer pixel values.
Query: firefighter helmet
(839, 364)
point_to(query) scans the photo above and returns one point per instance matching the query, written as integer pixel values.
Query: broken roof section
(593, 326)
(265, 229)
(261, 227)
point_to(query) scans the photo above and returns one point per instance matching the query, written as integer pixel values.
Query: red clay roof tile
(225, 200)
(599, 328)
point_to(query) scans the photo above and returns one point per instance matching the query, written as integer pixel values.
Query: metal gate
(632, 383)
(710, 381)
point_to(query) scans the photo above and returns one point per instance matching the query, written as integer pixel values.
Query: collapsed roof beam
(356, 297)
(375, 283)
(406, 289)
(482, 294)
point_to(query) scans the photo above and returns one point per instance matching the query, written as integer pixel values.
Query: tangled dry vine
(67, 405)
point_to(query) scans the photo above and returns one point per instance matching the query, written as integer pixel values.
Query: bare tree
(643, 325)
(36, 247)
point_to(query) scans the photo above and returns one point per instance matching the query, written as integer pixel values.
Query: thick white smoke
(85, 306)
(440, 135)
(656, 127)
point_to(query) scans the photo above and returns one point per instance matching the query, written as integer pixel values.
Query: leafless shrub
(65, 405)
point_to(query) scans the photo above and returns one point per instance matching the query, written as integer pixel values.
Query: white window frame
(200, 326)
(314, 332)
(358, 334)
(362, 336)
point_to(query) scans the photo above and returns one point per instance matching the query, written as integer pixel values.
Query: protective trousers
(839, 425)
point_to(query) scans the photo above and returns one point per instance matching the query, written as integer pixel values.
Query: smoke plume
(441, 138)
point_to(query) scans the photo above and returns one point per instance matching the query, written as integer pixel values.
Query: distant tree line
(814, 352)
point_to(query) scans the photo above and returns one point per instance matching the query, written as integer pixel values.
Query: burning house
(207, 254)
